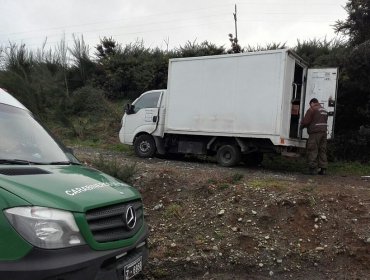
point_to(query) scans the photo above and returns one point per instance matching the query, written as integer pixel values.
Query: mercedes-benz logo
(130, 217)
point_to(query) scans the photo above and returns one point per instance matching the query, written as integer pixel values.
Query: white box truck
(236, 107)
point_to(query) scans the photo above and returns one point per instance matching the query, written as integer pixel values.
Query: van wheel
(144, 146)
(228, 155)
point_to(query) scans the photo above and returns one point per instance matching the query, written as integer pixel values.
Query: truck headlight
(45, 227)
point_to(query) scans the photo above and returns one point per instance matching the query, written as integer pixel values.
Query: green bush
(88, 101)
(124, 172)
(350, 147)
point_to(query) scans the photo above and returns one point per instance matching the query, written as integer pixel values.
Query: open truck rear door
(322, 84)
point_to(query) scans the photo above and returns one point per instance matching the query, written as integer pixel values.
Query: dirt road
(209, 222)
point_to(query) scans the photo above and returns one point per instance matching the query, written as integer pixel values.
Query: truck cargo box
(245, 95)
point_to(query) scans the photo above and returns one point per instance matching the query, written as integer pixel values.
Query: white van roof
(7, 99)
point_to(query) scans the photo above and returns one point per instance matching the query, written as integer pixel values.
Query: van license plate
(133, 268)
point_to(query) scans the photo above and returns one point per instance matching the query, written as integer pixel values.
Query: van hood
(72, 188)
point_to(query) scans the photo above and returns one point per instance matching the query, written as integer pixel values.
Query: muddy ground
(210, 222)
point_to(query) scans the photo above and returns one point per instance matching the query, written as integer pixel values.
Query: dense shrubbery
(350, 147)
(71, 90)
(87, 101)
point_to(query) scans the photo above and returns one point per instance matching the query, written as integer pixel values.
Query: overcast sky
(162, 23)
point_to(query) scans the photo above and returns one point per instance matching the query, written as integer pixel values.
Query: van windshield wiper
(18, 161)
(64, 163)
(27, 162)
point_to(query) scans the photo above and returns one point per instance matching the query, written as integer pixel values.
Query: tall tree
(62, 50)
(191, 49)
(354, 86)
(357, 24)
(124, 72)
(83, 67)
(108, 47)
(235, 47)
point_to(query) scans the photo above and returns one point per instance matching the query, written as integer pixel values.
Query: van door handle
(155, 118)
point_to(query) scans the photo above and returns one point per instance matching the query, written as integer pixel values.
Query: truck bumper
(75, 263)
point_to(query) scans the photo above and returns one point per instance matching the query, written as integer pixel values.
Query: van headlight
(45, 227)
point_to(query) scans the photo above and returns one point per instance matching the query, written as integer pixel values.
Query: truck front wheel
(144, 146)
(228, 155)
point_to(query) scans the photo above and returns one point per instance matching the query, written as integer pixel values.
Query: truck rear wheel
(144, 146)
(228, 155)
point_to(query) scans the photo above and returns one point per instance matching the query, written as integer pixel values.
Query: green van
(58, 218)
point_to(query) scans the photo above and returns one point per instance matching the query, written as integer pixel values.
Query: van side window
(149, 100)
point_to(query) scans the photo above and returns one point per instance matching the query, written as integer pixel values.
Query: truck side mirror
(129, 109)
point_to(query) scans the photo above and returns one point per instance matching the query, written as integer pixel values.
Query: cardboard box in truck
(236, 107)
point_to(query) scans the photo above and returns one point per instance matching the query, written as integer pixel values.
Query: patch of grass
(159, 273)
(173, 211)
(223, 186)
(341, 168)
(219, 235)
(312, 201)
(124, 172)
(99, 144)
(349, 168)
(225, 183)
(308, 188)
(267, 183)
(212, 181)
(117, 107)
(199, 238)
(122, 148)
(236, 178)
(85, 143)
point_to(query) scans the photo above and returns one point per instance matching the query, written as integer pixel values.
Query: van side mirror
(129, 109)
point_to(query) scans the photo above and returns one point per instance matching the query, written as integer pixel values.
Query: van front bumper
(75, 263)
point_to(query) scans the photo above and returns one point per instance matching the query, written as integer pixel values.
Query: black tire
(228, 155)
(253, 159)
(144, 146)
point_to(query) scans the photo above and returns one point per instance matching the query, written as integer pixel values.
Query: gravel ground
(210, 222)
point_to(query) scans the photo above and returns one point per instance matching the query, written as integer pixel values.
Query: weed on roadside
(267, 183)
(124, 172)
(223, 186)
(349, 168)
(173, 211)
(236, 178)
(225, 183)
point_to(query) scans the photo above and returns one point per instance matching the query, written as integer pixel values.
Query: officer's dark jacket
(315, 119)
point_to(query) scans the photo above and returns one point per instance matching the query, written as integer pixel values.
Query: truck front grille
(109, 223)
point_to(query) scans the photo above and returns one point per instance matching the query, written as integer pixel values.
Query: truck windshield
(24, 141)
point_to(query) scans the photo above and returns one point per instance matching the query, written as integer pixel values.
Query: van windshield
(24, 140)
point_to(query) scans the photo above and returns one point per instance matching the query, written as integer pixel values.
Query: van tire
(144, 146)
(228, 155)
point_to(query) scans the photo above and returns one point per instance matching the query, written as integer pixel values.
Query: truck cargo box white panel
(228, 95)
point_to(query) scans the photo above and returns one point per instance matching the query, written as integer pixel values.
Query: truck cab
(143, 120)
